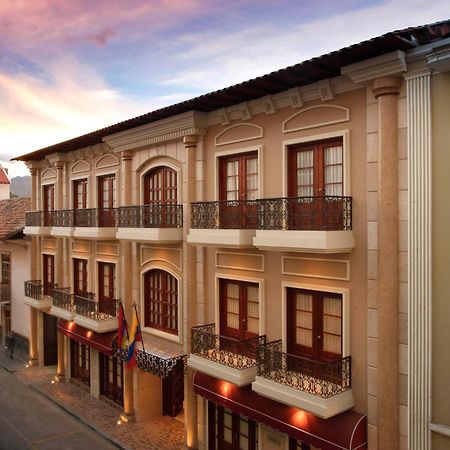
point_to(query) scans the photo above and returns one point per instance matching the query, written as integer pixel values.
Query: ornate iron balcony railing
(95, 217)
(224, 350)
(5, 292)
(87, 306)
(63, 218)
(62, 298)
(33, 289)
(34, 218)
(150, 216)
(326, 213)
(152, 363)
(323, 379)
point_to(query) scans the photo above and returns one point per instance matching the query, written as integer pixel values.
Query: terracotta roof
(4, 179)
(306, 72)
(12, 216)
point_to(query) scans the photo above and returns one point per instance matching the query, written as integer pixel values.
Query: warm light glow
(119, 422)
(71, 326)
(27, 366)
(225, 388)
(299, 418)
(53, 381)
(89, 334)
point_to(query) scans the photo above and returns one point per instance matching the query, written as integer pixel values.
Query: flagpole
(125, 320)
(139, 326)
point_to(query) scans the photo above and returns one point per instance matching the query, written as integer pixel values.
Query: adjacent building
(267, 235)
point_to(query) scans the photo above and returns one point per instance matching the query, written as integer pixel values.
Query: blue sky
(73, 66)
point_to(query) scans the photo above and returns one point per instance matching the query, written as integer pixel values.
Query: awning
(100, 341)
(346, 431)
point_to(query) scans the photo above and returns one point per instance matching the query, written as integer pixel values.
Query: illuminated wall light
(299, 418)
(225, 388)
(71, 326)
(89, 334)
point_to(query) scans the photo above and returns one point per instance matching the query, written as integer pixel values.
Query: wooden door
(111, 378)
(238, 186)
(49, 203)
(80, 362)
(106, 200)
(239, 309)
(173, 391)
(106, 288)
(49, 273)
(315, 186)
(314, 330)
(79, 197)
(80, 276)
(161, 197)
(50, 340)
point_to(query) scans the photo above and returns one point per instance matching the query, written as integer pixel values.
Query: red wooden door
(111, 378)
(80, 276)
(173, 390)
(160, 193)
(315, 178)
(239, 309)
(49, 203)
(80, 362)
(49, 273)
(106, 288)
(106, 200)
(238, 186)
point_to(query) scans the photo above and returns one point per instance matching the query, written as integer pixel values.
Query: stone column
(126, 262)
(59, 165)
(386, 90)
(189, 287)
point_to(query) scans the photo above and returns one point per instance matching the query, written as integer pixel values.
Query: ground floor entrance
(111, 378)
(50, 339)
(80, 363)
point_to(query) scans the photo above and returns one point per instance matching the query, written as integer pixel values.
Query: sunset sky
(68, 67)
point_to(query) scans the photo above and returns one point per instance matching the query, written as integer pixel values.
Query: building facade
(261, 232)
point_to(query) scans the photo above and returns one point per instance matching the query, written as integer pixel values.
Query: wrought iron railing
(5, 292)
(63, 218)
(150, 216)
(323, 379)
(152, 363)
(62, 298)
(224, 350)
(33, 289)
(326, 213)
(87, 306)
(95, 217)
(34, 218)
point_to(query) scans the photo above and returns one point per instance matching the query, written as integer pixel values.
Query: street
(29, 421)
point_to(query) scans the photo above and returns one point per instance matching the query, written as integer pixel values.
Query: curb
(80, 418)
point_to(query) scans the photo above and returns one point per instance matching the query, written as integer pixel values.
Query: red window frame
(80, 362)
(80, 193)
(48, 196)
(161, 301)
(80, 276)
(161, 186)
(111, 378)
(106, 200)
(48, 269)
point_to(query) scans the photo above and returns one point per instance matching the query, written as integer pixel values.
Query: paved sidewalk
(160, 433)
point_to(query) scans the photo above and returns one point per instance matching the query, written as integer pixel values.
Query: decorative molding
(242, 266)
(259, 132)
(107, 249)
(244, 110)
(173, 256)
(418, 88)
(269, 107)
(341, 114)
(444, 430)
(223, 116)
(295, 97)
(48, 174)
(81, 166)
(171, 128)
(108, 160)
(315, 273)
(393, 63)
(325, 90)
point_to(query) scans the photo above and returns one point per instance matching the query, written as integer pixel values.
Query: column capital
(59, 165)
(33, 171)
(190, 140)
(386, 86)
(126, 155)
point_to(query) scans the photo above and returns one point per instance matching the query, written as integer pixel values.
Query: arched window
(161, 301)
(161, 186)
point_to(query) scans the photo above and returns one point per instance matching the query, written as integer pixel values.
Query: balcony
(323, 388)
(95, 223)
(63, 222)
(300, 224)
(38, 295)
(150, 223)
(38, 222)
(222, 357)
(223, 223)
(305, 224)
(62, 304)
(99, 316)
(5, 293)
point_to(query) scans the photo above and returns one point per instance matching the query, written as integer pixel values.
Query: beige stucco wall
(20, 272)
(440, 92)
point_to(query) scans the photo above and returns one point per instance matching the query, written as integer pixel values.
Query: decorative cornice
(393, 63)
(176, 127)
(417, 74)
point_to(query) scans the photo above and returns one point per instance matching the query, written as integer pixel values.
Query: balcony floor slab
(95, 232)
(38, 304)
(239, 377)
(162, 235)
(62, 231)
(62, 313)
(221, 238)
(99, 326)
(35, 231)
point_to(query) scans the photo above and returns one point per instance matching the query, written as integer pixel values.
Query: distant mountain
(21, 186)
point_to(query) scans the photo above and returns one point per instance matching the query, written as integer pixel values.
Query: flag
(135, 336)
(123, 329)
